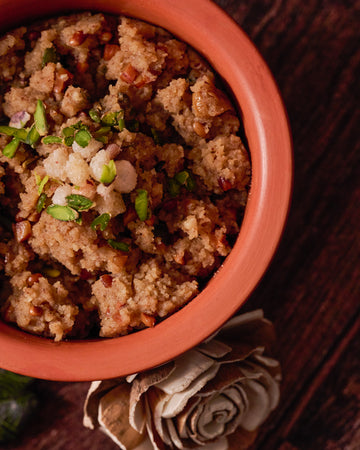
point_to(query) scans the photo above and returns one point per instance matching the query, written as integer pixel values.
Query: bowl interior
(210, 31)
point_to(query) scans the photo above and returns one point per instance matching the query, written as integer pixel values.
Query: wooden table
(311, 290)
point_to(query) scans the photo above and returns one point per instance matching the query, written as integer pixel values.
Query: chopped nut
(129, 74)
(33, 278)
(63, 79)
(35, 310)
(224, 184)
(77, 39)
(109, 51)
(200, 129)
(148, 320)
(22, 230)
(105, 37)
(106, 280)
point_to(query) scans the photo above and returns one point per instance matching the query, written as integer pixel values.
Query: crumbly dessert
(123, 179)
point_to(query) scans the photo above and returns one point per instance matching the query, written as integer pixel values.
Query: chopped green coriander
(101, 222)
(156, 136)
(33, 136)
(49, 56)
(51, 140)
(141, 204)
(79, 220)
(95, 115)
(102, 139)
(42, 183)
(121, 123)
(101, 134)
(182, 176)
(110, 119)
(40, 119)
(83, 137)
(118, 245)
(10, 149)
(40, 205)
(173, 187)
(133, 125)
(69, 140)
(108, 173)
(68, 131)
(64, 213)
(79, 202)
(19, 133)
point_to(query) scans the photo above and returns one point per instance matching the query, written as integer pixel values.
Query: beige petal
(114, 417)
(139, 386)
(96, 391)
(155, 439)
(214, 349)
(176, 403)
(156, 400)
(187, 368)
(227, 375)
(183, 416)
(259, 405)
(218, 411)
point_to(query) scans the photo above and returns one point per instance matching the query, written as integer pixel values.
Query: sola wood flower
(214, 396)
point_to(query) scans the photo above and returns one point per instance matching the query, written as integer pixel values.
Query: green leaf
(141, 204)
(68, 131)
(83, 137)
(121, 123)
(108, 172)
(51, 140)
(110, 119)
(182, 176)
(32, 137)
(101, 222)
(40, 119)
(95, 115)
(10, 149)
(14, 413)
(42, 183)
(49, 56)
(118, 245)
(12, 384)
(79, 202)
(173, 187)
(40, 205)
(64, 213)
(69, 141)
(19, 133)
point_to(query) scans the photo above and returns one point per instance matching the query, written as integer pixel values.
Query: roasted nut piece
(207, 100)
(109, 51)
(148, 320)
(22, 230)
(77, 39)
(63, 79)
(106, 280)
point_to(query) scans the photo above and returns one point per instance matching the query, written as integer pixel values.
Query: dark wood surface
(311, 290)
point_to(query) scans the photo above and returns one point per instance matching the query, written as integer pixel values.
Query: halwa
(123, 179)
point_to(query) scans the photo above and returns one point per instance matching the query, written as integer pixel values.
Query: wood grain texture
(311, 290)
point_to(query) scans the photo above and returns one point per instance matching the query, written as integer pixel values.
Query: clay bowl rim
(237, 60)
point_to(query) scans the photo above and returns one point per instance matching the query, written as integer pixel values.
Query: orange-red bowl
(209, 30)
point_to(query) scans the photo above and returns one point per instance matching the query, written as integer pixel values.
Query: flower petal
(187, 368)
(114, 418)
(176, 403)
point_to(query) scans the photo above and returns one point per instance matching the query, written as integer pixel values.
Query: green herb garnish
(118, 245)
(173, 187)
(79, 202)
(69, 140)
(40, 205)
(101, 134)
(95, 115)
(49, 56)
(141, 204)
(41, 182)
(110, 119)
(33, 136)
(64, 213)
(83, 137)
(19, 133)
(68, 131)
(10, 149)
(51, 140)
(17, 404)
(183, 178)
(40, 119)
(101, 222)
(108, 173)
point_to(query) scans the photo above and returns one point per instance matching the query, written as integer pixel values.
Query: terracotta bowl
(209, 30)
